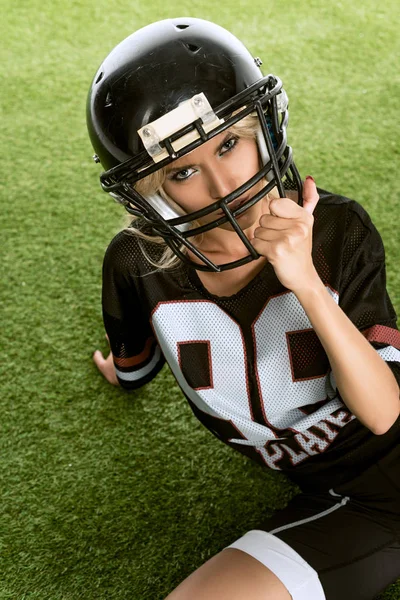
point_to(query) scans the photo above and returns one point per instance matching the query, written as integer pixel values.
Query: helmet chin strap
(169, 212)
(166, 210)
(262, 148)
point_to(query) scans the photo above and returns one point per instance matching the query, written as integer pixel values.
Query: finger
(310, 194)
(263, 247)
(285, 208)
(267, 235)
(273, 222)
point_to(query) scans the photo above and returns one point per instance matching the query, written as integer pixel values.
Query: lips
(234, 205)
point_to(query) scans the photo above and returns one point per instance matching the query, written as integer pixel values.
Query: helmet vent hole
(181, 26)
(192, 47)
(100, 77)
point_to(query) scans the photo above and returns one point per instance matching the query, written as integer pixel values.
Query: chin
(246, 220)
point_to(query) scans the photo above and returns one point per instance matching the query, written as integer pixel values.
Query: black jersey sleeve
(363, 294)
(137, 355)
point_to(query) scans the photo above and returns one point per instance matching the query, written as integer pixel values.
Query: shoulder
(352, 220)
(123, 250)
(343, 206)
(127, 253)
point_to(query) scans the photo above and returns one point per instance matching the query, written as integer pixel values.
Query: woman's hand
(106, 365)
(285, 238)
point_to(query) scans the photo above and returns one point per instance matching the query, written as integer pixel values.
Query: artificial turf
(104, 494)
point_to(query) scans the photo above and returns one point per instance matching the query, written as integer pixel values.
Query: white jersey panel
(228, 398)
(282, 396)
(193, 321)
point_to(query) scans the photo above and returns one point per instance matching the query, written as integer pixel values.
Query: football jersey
(251, 365)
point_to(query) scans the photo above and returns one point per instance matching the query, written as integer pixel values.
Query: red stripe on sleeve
(383, 335)
(132, 361)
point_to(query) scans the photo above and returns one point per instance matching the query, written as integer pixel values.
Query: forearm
(365, 382)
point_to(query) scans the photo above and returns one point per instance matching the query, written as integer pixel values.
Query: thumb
(310, 194)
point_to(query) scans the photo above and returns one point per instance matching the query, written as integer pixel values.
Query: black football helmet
(165, 90)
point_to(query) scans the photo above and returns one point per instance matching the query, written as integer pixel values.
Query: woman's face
(211, 172)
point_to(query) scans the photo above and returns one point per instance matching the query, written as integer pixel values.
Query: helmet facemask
(172, 136)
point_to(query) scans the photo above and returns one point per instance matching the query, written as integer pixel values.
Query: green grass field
(104, 494)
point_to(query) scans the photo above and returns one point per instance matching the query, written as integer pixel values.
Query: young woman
(266, 297)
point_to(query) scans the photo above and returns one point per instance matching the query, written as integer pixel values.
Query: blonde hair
(153, 184)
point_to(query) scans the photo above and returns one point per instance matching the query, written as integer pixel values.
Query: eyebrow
(189, 166)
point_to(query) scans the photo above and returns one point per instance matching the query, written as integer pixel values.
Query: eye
(182, 175)
(229, 145)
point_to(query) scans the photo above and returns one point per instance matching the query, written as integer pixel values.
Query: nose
(221, 183)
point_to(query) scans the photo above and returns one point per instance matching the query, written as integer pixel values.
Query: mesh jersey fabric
(250, 365)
